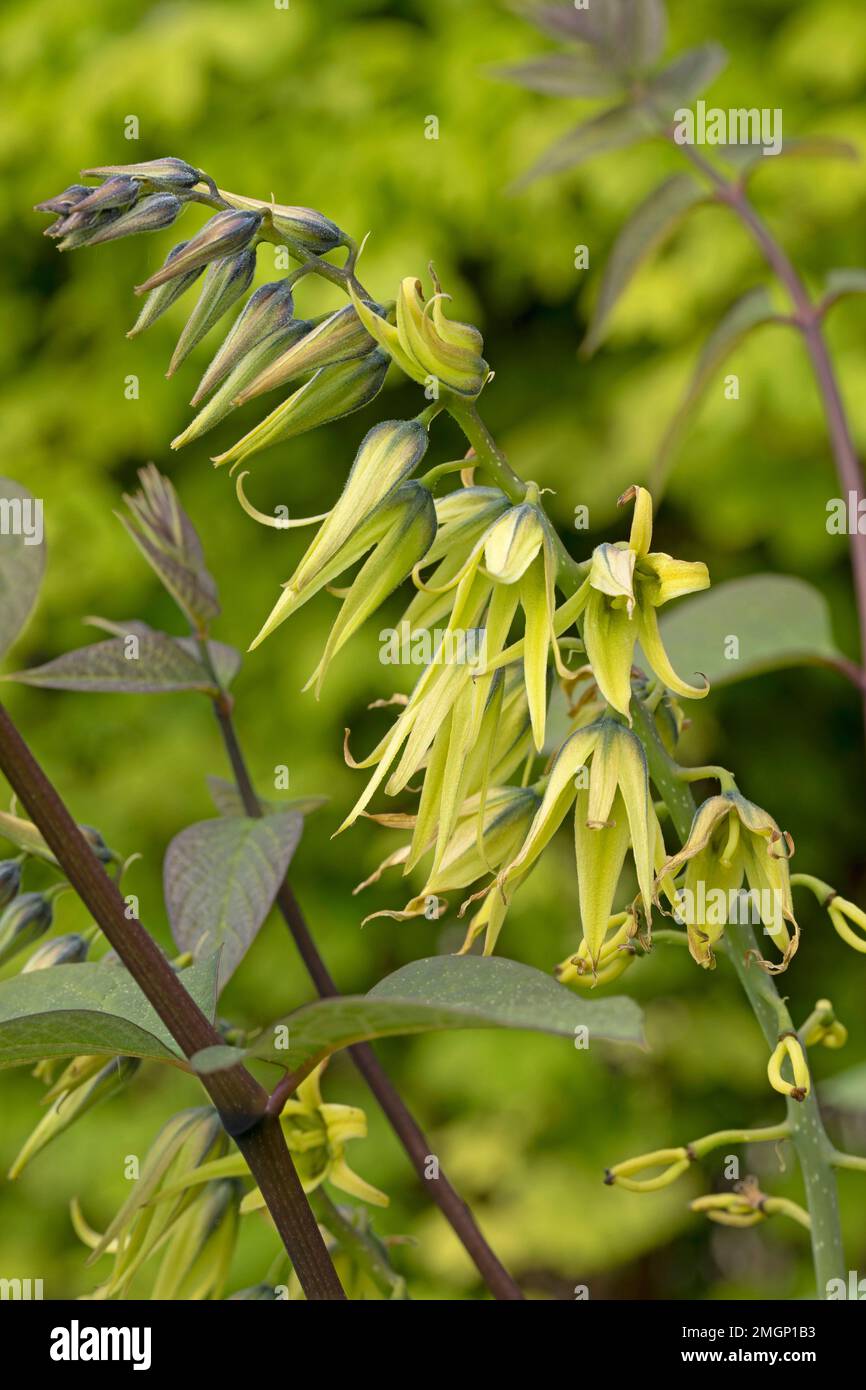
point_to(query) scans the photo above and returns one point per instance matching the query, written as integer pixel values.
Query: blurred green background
(324, 103)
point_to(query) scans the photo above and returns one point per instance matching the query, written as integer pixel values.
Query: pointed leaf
(442, 992)
(612, 130)
(751, 311)
(70, 1010)
(220, 879)
(22, 563)
(227, 800)
(685, 78)
(162, 664)
(748, 158)
(841, 283)
(562, 75)
(645, 230)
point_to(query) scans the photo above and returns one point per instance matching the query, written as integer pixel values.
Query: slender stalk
(813, 1148)
(807, 320)
(411, 1136)
(240, 1100)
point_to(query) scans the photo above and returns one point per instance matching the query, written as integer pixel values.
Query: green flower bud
(25, 919)
(224, 282)
(10, 880)
(151, 214)
(256, 1293)
(224, 401)
(307, 228)
(266, 312)
(165, 295)
(338, 338)
(330, 394)
(71, 1105)
(222, 235)
(63, 950)
(161, 173)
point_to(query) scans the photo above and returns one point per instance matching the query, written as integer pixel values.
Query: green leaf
(70, 1010)
(169, 542)
(612, 130)
(220, 878)
(685, 78)
(21, 564)
(160, 663)
(841, 283)
(226, 660)
(750, 311)
(748, 158)
(227, 799)
(442, 992)
(643, 29)
(562, 75)
(777, 620)
(643, 232)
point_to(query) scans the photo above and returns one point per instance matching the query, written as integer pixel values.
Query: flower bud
(150, 214)
(790, 1047)
(69, 1106)
(114, 193)
(10, 880)
(63, 203)
(25, 919)
(338, 338)
(224, 282)
(330, 394)
(97, 844)
(165, 295)
(311, 230)
(161, 173)
(266, 312)
(222, 235)
(425, 343)
(223, 401)
(63, 950)
(256, 1293)
(673, 1163)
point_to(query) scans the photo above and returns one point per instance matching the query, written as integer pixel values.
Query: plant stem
(808, 322)
(411, 1136)
(240, 1100)
(812, 1146)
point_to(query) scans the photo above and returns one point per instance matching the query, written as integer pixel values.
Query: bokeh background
(325, 103)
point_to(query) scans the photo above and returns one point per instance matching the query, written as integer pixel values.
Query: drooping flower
(730, 840)
(619, 602)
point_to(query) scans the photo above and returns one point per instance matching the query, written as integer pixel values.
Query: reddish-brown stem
(808, 321)
(411, 1136)
(240, 1100)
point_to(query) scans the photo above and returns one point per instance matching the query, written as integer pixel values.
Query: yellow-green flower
(619, 600)
(317, 1132)
(731, 839)
(430, 348)
(613, 811)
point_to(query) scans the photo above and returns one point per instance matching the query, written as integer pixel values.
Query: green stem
(813, 1148)
(856, 1162)
(359, 1244)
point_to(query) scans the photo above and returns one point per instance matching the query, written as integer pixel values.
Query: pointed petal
(650, 640)
(610, 636)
